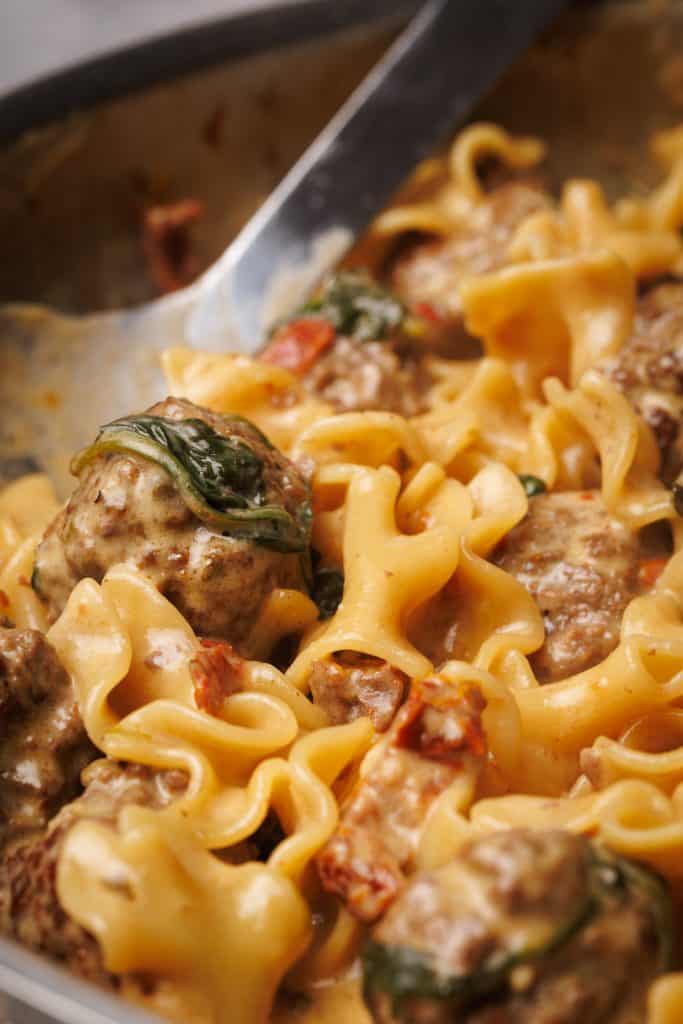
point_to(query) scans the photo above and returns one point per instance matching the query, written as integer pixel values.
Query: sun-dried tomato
(650, 571)
(217, 672)
(296, 346)
(428, 312)
(166, 242)
(442, 726)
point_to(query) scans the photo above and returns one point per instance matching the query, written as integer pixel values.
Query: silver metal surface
(445, 61)
(594, 89)
(450, 54)
(70, 199)
(38, 993)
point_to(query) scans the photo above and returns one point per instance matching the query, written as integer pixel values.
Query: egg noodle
(412, 508)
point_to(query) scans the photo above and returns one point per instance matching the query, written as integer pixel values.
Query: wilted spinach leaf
(405, 973)
(532, 484)
(356, 307)
(220, 478)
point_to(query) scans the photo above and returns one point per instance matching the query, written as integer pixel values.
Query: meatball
(436, 736)
(44, 747)
(580, 565)
(649, 370)
(129, 507)
(357, 375)
(523, 927)
(30, 911)
(352, 685)
(430, 272)
(351, 347)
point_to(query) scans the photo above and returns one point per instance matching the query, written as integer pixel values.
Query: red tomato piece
(296, 346)
(651, 570)
(427, 312)
(217, 672)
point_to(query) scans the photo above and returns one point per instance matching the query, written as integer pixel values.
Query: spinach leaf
(613, 874)
(220, 478)
(224, 469)
(406, 973)
(356, 307)
(403, 973)
(532, 484)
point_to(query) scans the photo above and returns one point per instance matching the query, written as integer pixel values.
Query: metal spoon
(60, 377)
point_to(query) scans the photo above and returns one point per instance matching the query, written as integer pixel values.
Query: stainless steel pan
(70, 196)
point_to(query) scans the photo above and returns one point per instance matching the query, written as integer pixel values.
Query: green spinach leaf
(532, 484)
(356, 307)
(404, 973)
(220, 478)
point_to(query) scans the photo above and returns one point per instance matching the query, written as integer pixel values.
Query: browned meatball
(649, 370)
(352, 346)
(521, 927)
(352, 685)
(44, 745)
(371, 375)
(29, 907)
(581, 565)
(432, 271)
(436, 736)
(129, 508)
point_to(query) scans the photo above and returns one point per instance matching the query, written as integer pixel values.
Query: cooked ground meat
(649, 370)
(352, 685)
(581, 566)
(127, 508)
(590, 956)
(431, 271)
(436, 736)
(353, 345)
(44, 745)
(371, 375)
(29, 908)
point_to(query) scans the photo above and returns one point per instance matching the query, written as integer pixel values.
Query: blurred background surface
(206, 146)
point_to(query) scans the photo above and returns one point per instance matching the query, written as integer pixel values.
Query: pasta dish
(347, 686)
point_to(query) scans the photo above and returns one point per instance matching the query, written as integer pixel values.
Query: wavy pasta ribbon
(266, 394)
(557, 722)
(360, 438)
(629, 456)
(400, 550)
(663, 208)
(387, 574)
(460, 198)
(128, 652)
(160, 904)
(26, 508)
(665, 1000)
(413, 509)
(632, 817)
(553, 318)
(487, 421)
(584, 223)
(651, 748)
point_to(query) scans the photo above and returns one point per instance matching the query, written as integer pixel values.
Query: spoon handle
(448, 57)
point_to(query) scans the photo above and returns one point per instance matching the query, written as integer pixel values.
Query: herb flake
(356, 307)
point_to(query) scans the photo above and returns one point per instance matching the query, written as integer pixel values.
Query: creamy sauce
(337, 1003)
